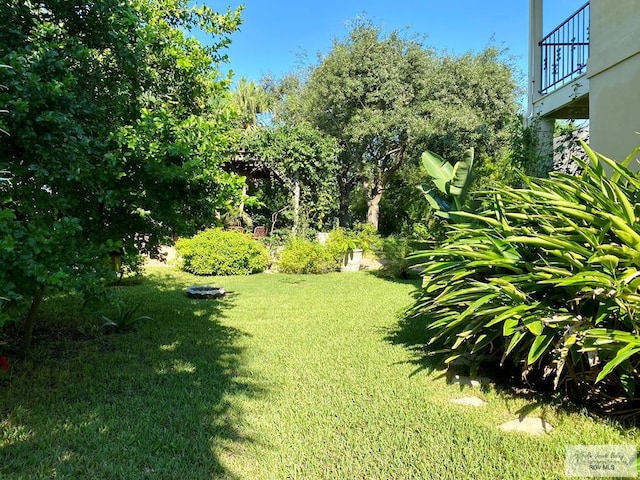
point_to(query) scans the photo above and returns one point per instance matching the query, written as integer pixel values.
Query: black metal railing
(565, 51)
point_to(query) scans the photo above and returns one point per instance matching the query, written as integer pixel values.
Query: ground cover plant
(288, 376)
(546, 280)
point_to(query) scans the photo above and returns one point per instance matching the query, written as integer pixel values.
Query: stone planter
(351, 261)
(322, 237)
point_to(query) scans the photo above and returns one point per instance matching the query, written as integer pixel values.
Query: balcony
(558, 84)
(565, 51)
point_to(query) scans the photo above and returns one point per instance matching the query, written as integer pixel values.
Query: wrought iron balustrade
(565, 51)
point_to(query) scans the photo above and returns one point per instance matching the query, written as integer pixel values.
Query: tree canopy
(113, 139)
(386, 97)
(365, 92)
(304, 161)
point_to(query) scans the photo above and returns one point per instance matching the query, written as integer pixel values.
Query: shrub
(363, 236)
(219, 252)
(304, 256)
(397, 261)
(547, 280)
(124, 318)
(337, 245)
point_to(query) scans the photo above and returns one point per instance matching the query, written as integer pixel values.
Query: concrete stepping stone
(468, 381)
(530, 425)
(471, 401)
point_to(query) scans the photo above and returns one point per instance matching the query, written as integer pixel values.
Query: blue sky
(274, 33)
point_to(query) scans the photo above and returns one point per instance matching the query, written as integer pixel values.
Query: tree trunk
(244, 195)
(373, 190)
(296, 204)
(373, 209)
(30, 320)
(373, 195)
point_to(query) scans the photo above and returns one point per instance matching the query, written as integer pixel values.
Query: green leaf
(510, 326)
(627, 208)
(623, 354)
(534, 325)
(514, 312)
(435, 201)
(513, 342)
(608, 261)
(627, 161)
(539, 347)
(461, 175)
(438, 169)
(594, 160)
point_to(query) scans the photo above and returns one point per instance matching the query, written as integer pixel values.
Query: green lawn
(286, 377)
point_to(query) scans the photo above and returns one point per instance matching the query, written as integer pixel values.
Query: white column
(535, 53)
(544, 126)
(544, 129)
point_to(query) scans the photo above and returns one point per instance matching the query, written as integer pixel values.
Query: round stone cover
(205, 291)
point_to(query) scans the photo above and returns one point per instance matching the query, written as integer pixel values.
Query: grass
(286, 377)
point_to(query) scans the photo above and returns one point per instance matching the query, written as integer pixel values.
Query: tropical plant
(452, 181)
(546, 280)
(123, 319)
(397, 258)
(220, 252)
(249, 100)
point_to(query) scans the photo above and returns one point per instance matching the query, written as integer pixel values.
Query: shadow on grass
(507, 379)
(416, 281)
(159, 403)
(412, 334)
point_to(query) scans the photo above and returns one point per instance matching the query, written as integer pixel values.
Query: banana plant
(452, 181)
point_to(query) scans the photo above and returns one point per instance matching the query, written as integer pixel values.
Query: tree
(387, 98)
(304, 161)
(249, 100)
(113, 140)
(366, 92)
(471, 101)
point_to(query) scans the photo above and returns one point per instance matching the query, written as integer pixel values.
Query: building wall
(614, 77)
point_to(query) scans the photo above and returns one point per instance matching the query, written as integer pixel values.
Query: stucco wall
(614, 77)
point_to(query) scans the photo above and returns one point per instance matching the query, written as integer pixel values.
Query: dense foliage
(220, 252)
(367, 93)
(399, 258)
(302, 162)
(546, 280)
(304, 256)
(386, 98)
(113, 138)
(362, 236)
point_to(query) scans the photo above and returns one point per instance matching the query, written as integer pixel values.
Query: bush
(548, 281)
(363, 236)
(303, 256)
(337, 245)
(397, 260)
(220, 252)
